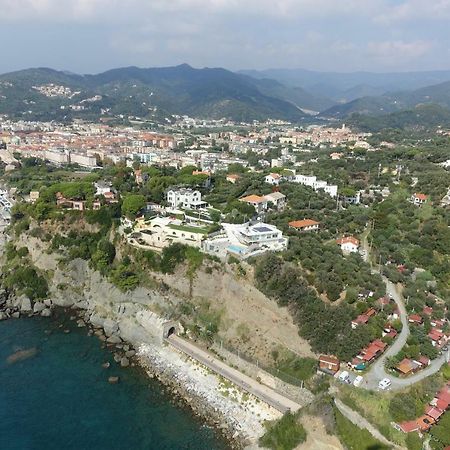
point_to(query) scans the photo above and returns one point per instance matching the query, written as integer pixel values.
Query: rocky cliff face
(249, 320)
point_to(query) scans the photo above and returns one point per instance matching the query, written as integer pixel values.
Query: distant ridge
(153, 92)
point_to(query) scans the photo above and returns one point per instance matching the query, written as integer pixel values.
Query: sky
(90, 36)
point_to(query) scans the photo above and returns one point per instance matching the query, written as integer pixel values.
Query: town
(321, 207)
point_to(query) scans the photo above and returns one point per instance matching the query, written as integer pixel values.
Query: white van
(384, 384)
(357, 381)
(344, 376)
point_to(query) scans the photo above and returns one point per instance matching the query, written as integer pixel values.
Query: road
(264, 393)
(362, 423)
(377, 370)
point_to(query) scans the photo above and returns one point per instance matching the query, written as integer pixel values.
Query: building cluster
(307, 180)
(433, 413)
(317, 135)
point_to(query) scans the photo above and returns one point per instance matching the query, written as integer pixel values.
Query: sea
(55, 395)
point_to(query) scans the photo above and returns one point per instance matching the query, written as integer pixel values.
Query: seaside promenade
(262, 392)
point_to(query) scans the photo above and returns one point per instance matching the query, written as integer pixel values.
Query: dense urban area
(317, 254)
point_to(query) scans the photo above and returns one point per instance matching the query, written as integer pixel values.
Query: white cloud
(397, 52)
(436, 10)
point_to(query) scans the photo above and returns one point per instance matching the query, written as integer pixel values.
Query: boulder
(83, 304)
(97, 320)
(130, 353)
(114, 339)
(113, 380)
(46, 312)
(110, 327)
(38, 307)
(3, 315)
(25, 304)
(48, 303)
(15, 315)
(124, 362)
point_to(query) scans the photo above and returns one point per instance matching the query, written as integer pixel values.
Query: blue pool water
(60, 398)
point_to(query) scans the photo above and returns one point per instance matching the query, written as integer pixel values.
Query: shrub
(283, 434)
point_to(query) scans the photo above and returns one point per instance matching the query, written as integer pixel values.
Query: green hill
(155, 92)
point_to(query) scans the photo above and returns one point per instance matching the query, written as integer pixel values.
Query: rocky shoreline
(125, 354)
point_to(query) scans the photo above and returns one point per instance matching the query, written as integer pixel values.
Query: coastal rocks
(25, 304)
(38, 307)
(97, 320)
(46, 312)
(114, 339)
(124, 362)
(20, 355)
(110, 327)
(48, 303)
(83, 304)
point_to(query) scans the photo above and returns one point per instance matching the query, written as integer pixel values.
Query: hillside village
(334, 213)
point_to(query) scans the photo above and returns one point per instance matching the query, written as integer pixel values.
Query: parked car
(384, 384)
(358, 380)
(344, 376)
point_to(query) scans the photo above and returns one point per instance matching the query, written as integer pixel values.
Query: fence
(283, 376)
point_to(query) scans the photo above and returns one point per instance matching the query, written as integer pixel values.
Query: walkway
(264, 393)
(362, 423)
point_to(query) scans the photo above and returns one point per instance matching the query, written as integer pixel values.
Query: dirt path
(362, 423)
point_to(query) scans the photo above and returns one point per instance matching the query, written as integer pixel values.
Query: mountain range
(345, 87)
(157, 93)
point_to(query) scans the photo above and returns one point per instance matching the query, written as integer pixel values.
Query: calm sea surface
(60, 399)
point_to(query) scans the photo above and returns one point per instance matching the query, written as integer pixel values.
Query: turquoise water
(60, 398)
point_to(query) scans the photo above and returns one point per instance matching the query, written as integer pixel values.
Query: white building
(349, 244)
(273, 179)
(160, 232)
(245, 240)
(419, 199)
(83, 160)
(277, 199)
(184, 198)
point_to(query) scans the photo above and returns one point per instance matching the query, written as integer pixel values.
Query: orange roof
(407, 427)
(420, 196)
(303, 223)
(252, 199)
(329, 359)
(347, 240)
(424, 422)
(405, 366)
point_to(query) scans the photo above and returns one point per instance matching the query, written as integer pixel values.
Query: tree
(132, 204)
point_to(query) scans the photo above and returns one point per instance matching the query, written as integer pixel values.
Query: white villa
(184, 198)
(307, 180)
(245, 240)
(160, 232)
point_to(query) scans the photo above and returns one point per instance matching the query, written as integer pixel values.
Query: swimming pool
(236, 249)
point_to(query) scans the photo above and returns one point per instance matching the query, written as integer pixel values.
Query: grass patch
(283, 434)
(188, 229)
(354, 438)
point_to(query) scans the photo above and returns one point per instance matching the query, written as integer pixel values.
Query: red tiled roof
(415, 318)
(348, 239)
(420, 196)
(433, 412)
(408, 427)
(303, 223)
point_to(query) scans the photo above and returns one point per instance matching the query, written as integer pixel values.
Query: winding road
(377, 370)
